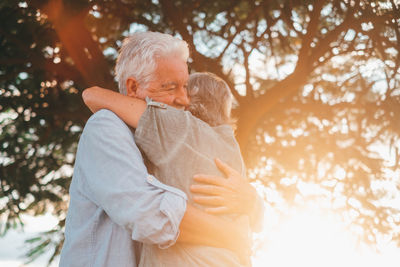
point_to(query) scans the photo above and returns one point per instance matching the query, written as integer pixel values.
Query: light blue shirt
(113, 200)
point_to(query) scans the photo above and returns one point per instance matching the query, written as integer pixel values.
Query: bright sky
(12, 247)
(311, 238)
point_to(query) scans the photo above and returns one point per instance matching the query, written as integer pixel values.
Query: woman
(178, 144)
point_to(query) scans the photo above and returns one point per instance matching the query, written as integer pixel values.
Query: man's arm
(117, 180)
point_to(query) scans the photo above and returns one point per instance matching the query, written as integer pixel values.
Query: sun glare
(311, 239)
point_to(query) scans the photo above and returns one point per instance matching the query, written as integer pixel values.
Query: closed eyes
(172, 86)
(169, 86)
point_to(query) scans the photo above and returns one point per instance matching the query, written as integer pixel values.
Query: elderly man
(115, 204)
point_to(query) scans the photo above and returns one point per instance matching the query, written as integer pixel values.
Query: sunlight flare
(312, 238)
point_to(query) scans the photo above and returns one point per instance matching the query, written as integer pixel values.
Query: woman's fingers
(209, 179)
(209, 200)
(207, 189)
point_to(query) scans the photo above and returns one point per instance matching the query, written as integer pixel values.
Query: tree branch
(312, 28)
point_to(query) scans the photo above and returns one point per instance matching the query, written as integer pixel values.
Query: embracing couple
(159, 179)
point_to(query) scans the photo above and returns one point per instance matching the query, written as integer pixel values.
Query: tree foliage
(316, 85)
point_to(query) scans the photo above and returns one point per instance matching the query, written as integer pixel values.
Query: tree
(316, 85)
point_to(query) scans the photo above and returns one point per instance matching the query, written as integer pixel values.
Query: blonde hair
(210, 98)
(139, 54)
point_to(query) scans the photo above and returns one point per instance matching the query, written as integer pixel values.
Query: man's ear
(131, 87)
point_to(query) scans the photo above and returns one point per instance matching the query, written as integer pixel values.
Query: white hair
(139, 53)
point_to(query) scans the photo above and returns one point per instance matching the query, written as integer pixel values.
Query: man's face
(169, 84)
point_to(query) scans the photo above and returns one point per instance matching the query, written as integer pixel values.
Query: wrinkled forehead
(171, 70)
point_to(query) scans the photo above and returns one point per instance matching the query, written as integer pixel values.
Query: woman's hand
(232, 194)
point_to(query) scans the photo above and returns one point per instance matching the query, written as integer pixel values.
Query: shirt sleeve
(116, 179)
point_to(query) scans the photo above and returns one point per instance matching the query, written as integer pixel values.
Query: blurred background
(317, 101)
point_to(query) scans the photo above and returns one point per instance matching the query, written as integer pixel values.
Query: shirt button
(162, 105)
(149, 178)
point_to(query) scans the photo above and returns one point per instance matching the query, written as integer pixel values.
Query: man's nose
(182, 99)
